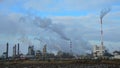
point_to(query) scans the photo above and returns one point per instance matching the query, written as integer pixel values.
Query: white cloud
(89, 26)
(68, 5)
(80, 29)
(17, 25)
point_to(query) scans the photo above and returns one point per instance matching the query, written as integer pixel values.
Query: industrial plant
(40, 57)
(99, 52)
(33, 54)
(99, 57)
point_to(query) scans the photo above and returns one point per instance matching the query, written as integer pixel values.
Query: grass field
(61, 64)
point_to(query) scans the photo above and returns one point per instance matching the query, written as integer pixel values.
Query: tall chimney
(18, 49)
(70, 47)
(14, 51)
(7, 51)
(44, 52)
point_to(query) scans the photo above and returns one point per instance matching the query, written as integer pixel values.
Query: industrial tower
(44, 52)
(70, 47)
(103, 13)
(7, 49)
(100, 50)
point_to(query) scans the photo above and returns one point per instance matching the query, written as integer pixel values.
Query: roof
(117, 52)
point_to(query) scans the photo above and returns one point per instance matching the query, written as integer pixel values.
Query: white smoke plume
(104, 12)
(46, 23)
(55, 35)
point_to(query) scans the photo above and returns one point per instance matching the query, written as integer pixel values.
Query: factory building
(98, 51)
(31, 50)
(14, 51)
(38, 54)
(116, 54)
(4, 55)
(44, 52)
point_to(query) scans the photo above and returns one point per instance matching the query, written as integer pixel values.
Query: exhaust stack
(7, 48)
(18, 49)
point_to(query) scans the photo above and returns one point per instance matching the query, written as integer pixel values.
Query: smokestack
(7, 51)
(102, 14)
(70, 47)
(18, 49)
(14, 51)
(44, 52)
(44, 49)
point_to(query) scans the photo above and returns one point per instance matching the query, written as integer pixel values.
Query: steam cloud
(47, 24)
(104, 12)
(53, 34)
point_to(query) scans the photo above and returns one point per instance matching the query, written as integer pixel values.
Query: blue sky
(56, 21)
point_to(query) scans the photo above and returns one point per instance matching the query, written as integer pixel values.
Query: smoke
(55, 35)
(25, 40)
(47, 24)
(104, 12)
(52, 47)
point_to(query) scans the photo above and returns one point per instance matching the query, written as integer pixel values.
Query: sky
(56, 22)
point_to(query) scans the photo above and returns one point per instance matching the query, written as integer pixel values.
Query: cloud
(19, 25)
(62, 37)
(89, 26)
(77, 20)
(59, 6)
(11, 24)
(50, 30)
(68, 5)
(47, 24)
